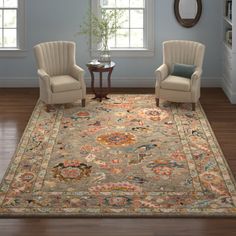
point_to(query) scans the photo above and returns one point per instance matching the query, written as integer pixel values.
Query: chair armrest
(197, 74)
(77, 72)
(162, 72)
(44, 76)
(196, 84)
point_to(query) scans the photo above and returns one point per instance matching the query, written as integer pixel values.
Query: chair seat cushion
(64, 83)
(176, 83)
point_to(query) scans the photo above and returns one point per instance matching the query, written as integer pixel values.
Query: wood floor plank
(16, 106)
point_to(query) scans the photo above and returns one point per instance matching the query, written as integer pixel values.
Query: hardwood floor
(16, 106)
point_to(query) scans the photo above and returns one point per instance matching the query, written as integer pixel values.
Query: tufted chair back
(183, 52)
(56, 58)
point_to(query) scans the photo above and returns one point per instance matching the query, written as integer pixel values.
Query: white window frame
(19, 51)
(147, 50)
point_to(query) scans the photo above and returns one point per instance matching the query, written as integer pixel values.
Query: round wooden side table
(101, 92)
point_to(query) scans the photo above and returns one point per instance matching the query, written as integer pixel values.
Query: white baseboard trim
(230, 94)
(131, 82)
(19, 82)
(211, 82)
(148, 82)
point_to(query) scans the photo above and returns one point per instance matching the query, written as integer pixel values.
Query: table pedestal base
(100, 97)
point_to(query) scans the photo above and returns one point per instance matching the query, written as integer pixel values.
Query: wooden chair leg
(193, 106)
(157, 102)
(50, 108)
(68, 105)
(83, 102)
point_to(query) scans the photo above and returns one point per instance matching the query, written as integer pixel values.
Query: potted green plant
(100, 28)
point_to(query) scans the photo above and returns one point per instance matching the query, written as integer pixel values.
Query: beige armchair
(174, 88)
(61, 80)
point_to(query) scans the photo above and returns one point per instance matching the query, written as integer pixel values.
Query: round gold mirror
(188, 12)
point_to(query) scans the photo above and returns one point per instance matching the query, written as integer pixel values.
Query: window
(11, 25)
(136, 36)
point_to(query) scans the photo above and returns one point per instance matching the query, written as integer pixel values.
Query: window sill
(12, 52)
(127, 52)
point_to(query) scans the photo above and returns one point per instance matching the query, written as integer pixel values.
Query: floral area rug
(121, 157)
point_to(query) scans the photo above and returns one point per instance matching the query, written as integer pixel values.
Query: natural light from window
(8, 23)
(131, 33)
(135, 36)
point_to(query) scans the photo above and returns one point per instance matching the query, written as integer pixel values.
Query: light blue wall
(60, 19)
